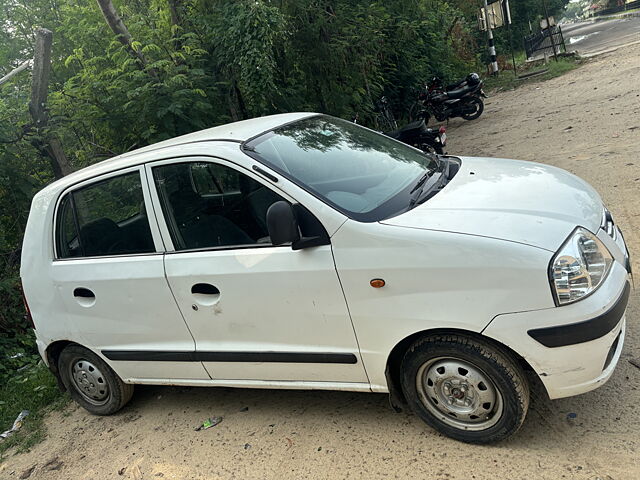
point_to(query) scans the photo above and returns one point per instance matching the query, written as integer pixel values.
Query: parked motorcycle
(462, 99)
(436, 84)
(416, 134)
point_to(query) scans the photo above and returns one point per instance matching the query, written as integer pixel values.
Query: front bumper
(578, 345)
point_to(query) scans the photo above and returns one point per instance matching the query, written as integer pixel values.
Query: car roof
(236, 132)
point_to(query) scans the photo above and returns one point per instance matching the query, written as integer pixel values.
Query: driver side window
(207, 205)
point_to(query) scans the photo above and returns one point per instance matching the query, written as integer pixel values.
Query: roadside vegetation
(34, 389)
(531, 72)
(169, 67)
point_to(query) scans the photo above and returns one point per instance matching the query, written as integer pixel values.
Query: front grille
(612, 352)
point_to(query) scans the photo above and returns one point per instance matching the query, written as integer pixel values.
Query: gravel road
(587, 122)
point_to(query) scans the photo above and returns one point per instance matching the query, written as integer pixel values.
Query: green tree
(175, 66)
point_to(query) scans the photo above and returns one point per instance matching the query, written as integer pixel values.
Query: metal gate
(537, 44)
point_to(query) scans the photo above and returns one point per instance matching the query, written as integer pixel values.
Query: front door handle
(205, 294)
(204, 289)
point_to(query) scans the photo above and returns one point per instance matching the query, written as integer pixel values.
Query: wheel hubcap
(89, 381)
(459, 393)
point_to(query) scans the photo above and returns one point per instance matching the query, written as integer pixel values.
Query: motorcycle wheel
(473, 109)
(419, 112)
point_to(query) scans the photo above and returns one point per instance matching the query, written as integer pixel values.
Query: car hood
(518, 201)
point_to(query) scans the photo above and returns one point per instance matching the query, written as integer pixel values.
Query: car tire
(91, 382)
(465, 388)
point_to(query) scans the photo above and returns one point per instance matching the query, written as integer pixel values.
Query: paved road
(594, 37)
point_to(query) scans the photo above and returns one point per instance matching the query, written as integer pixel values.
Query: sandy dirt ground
(587, 122)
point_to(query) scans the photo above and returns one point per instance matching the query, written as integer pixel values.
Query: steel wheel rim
(459, 394)
(89, 381)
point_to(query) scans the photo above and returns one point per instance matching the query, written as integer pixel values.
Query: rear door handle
(84, 296)
(82, 292)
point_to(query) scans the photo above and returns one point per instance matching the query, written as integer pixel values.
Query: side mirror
(282, 224)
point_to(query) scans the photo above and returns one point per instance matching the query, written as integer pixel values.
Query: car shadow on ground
(250, 410)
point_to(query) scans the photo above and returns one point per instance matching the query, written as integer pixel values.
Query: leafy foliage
(206, 63)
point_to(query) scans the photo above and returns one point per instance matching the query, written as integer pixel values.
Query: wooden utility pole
(46, 143)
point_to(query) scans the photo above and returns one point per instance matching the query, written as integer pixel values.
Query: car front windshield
(364, 174)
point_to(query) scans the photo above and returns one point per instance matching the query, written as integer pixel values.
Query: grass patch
(508, 81)
(34, 389)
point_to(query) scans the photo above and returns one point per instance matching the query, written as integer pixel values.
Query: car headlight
(579, 267)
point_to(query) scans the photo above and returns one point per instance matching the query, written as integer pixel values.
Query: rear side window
(105, 218)
(67, 235)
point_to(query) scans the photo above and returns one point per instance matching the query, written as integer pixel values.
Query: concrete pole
(553, 43)
(492, 47)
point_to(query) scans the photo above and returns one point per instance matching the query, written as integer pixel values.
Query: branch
(122, 34)
(15, 71)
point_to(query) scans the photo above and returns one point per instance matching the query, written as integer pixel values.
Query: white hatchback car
(303, 251)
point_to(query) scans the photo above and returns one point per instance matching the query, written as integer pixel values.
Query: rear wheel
(91, 382)
(472, 109)
(466, 389)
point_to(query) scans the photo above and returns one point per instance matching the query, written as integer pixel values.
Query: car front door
(258, 312)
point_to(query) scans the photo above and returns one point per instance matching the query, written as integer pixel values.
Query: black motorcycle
(462, 99)
(416, 134)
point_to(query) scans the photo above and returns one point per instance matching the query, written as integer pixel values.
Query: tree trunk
(122, 34)
(49, 145)
(175, 11)
(61, 166)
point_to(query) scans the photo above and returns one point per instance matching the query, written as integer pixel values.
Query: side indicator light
(377, 283)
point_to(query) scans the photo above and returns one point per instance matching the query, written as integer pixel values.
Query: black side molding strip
(586, 331)
(149, 356)
(268, 357)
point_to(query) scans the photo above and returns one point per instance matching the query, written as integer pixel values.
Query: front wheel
(465, 388)
(91, 382)
(472, 109)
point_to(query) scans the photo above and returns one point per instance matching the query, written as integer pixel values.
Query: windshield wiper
(421, 181)
(418, 188)
(434, 188)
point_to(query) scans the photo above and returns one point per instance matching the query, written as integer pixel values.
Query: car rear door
(108, 273)
(258, 312)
